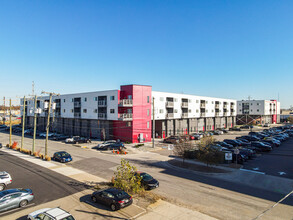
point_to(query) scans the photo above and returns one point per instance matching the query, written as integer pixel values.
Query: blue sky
(228, 49)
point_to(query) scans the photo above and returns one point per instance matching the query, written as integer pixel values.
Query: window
(95, 98)
(64, 110)
(175, 110)
(212, 110)
(63, 100)
(239, 103)
(96, 111)
(257, 103)
(257, 110)
(212, 102)
(112, 111)
(251, 104)
(85, 99)
(112, 97)
(189, 110)
(175, 100)
(72, 110)
(196, 110)
(196, 101)
(72, 100)
(148, 124)
(189, 100)
(84, 110)
(148, 99)
(206, 102)
(129, 96)
(161, 111)
(148, 112)
(161, 99)
(206, 111)
(128, 124)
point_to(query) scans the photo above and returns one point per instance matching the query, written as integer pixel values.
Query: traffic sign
(236, 151)
(228, 156)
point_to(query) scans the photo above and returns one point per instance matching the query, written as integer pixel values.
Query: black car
(234, 129)
(242, 143)
(112, 197)
(235, 143)
(250, 138)
(112, 146)
(261, 146)
(246, 126)
(224, 144)
(147, 181)
(59, 137)
(62, 157)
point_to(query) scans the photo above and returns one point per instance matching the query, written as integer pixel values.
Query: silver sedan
(13, 198)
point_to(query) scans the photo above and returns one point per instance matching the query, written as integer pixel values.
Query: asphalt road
(207, 194)
(45, 184)
(278, 162)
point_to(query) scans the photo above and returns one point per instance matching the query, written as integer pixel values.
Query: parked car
(3, 126)
(14, 198)
(250, 138)
(60, 137)
(50, 214)
(171, 140)
(62, 157)
(106, 143)
(246, 126)
(234, 129)
(197, 136)
(235, 143)
(77, 140)
(266, 125)
(5, 179)
(261, 146)
(147, 181)
(112, 197)
(113, 146)
(224, 144)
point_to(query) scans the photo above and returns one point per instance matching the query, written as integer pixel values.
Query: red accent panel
(140, 118)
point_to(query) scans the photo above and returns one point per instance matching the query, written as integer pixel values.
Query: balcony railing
(169, 104)
(184, 115)
(126, 103)
(77, 115)
(184, 104)
(77, 104)
(225, 113)
(170, 115)
(217, 105)
(202, 105)
(225, 105)
(102, 103)
(217, 114)
(102, 115)
(202, 114)
(125, 117)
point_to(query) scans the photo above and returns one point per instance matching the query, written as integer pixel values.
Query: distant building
(285, 114)
(258, 112)
(126, 114)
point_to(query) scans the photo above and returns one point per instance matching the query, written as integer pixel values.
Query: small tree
(126, 179)
(207, 153)
(182, 149)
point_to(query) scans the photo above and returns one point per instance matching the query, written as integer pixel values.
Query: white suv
(50, 214)
(5, 179)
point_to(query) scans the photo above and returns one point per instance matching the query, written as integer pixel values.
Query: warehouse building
(126, 114)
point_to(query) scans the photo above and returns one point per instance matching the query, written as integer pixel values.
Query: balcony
(202, 105)
(125, 103)
(77, 115)
(77, 104)
(102, 115)
(202, 114)
(102, 103)
(225, 113)
(217, 105)
(217, 114)
(225, 105)
(184, 104)
(125, 117)
(169, 115)
(169, 104)
(184, 115)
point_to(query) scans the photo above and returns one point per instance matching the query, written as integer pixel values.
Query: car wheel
(113, 207)
(23, 203)
(2, 187)
(94, 199)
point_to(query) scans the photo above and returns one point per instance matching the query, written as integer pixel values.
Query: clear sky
(227, 49)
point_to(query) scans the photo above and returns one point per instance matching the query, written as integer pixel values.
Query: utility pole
(35, 124)
(4, 113)
(10, 122)
(23, 123)
(154, 123)
(48, 119)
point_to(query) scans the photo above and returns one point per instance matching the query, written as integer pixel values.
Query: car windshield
(68, 218)
(64, 154)
(146, 176)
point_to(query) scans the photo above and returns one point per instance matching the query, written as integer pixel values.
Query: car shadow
(87, 199)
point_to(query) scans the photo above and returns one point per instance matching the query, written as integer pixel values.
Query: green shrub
(126, 179)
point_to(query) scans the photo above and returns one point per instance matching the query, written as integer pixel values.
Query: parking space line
(252, 171)
(13, 210)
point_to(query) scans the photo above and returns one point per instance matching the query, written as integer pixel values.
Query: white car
(5, 179)
(50, 214)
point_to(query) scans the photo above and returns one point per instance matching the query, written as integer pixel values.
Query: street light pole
(23, 123)
(10, 123)
(48, 124)
(154, 123)
(35, 124)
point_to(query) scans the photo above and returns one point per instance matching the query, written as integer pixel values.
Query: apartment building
(126, 114)
(258, 111)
